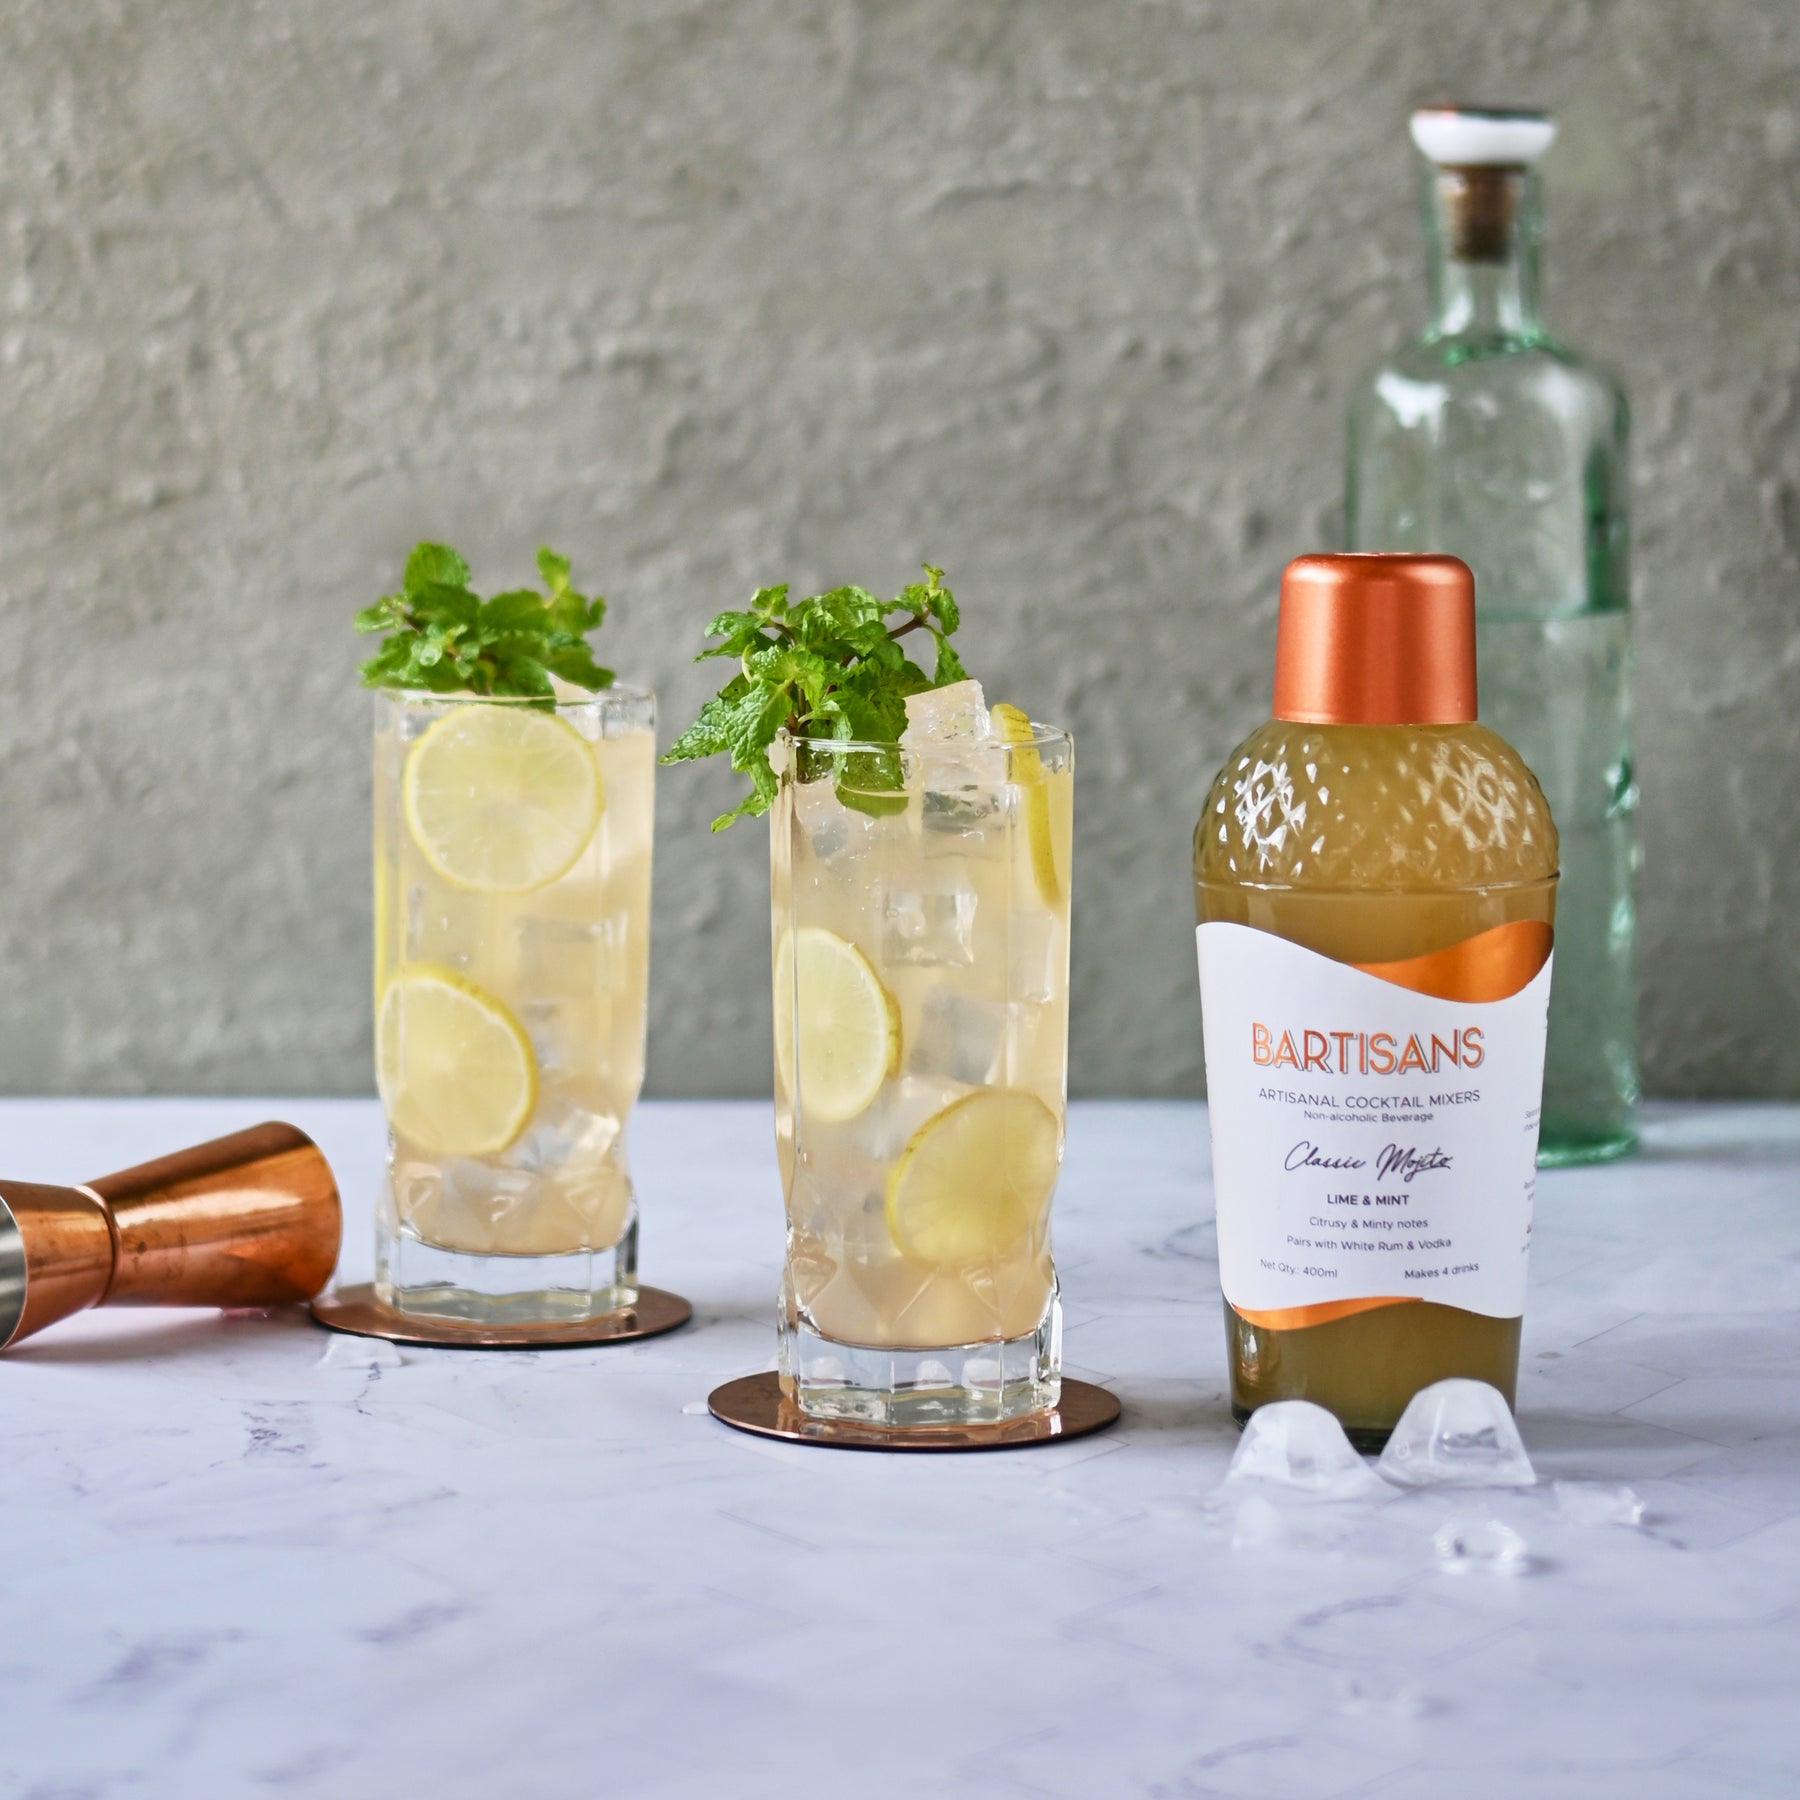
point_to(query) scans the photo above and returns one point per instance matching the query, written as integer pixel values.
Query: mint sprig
(445, 639)
(830, 666)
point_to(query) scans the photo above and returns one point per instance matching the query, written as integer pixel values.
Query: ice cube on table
(931, 923)
(1457, 1433)
(1597, 1503)
(958, 1035)
(360, 1353)
(1257, 1525)
(1295, 1444)
(1480, 1545)
(941, 714)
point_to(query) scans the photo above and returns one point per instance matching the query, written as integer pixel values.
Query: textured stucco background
(1064, 295)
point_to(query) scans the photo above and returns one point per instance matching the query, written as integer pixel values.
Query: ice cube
(572, 1039)
(1295, 1444)
(962, 817)
(445, 925)
(932, 923)
(958, 1035)
(832, 829)
(562, 1132)
(1256, 1525)
(1482, 1546)
(877, 1135)
(461, 1204)
(563, 959)
(1596, 1503)
(1457, 1433)
(1034, 951)
(938, 714)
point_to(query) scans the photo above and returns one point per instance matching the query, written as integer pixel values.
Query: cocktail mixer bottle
(1375, 883)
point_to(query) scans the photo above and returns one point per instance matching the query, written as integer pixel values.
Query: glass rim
(622, 690)
(1042, 736)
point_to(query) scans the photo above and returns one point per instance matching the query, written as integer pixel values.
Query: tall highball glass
(512, 917)
(921, 986)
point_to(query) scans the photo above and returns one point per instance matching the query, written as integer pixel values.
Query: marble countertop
(243, 1556)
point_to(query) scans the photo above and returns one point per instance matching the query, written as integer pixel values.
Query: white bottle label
(1374, 1131)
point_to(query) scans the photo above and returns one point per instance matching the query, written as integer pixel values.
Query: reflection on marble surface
(246, 1557)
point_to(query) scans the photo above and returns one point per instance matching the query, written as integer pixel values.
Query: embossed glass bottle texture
(1487, 438)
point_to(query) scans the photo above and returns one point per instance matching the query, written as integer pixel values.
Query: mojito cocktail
(921, 953)
(512, 915)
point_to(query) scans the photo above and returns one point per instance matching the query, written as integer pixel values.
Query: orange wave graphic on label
(1321, 1312)
(1491, 965)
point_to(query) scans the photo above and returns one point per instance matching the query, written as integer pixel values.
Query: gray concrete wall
(1064, 296)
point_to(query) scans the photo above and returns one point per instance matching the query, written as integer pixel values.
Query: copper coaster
(755, 1403)
(356, 1310)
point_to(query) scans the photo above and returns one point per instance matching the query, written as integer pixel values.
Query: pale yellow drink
(512, 913)
(921, 942)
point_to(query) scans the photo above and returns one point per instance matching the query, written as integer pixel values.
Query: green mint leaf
(709, 735)
(434, 565)
(949, 666)
(444, 638)
(575, 662)
(575, 614)
(516, 672)
(384, 615)
(444, 606)
(735, 624)
(751, 806)
(520, 610)
(553, 568)
(713, 731)
(827, 666)
(877, 805)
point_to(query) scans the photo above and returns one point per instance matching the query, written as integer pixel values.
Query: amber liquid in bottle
(1370, 844)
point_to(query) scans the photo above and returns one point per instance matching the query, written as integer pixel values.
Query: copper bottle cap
(1382, 639)
(246, 1220)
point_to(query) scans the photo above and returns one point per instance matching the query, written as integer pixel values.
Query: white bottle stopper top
(1471, 136)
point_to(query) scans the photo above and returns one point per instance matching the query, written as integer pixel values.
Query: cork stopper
(1480, 210)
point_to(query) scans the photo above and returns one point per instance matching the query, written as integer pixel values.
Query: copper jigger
(247, 1220)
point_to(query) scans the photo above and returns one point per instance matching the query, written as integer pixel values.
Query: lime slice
(848, 1024)
(455, 1068)
(502, 799)
(973, 1184)
(1040, 830)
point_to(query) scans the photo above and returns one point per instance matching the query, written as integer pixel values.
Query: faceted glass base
(1566, 1144)
(428, 1281)
(954, 1384)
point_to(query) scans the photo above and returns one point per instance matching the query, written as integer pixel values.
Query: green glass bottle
(1486, 438)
